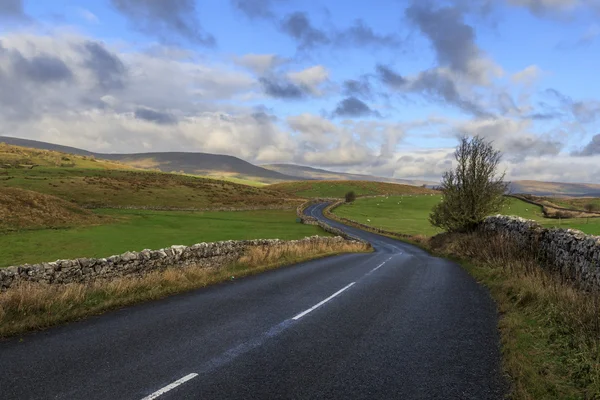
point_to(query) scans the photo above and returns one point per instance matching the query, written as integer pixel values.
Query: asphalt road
(394, 324)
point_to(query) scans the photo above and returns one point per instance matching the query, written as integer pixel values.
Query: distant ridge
(322, 174)
(191, 163)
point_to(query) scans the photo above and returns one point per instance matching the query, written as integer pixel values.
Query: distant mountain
(191, 163)
(322, 174)
(556, 188)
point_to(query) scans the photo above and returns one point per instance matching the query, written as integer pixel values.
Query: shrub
(350, 196)
(473, 190)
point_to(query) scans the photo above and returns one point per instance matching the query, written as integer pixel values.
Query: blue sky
(382, 87)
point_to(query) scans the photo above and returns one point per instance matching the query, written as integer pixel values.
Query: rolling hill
(214, 165)
(556, 188)
(322, 174)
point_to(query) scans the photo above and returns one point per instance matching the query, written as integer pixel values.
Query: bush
(350, 196)
(473, 190)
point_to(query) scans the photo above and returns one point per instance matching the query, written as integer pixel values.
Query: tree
(350, 196)
(590, 207)
(473, 190)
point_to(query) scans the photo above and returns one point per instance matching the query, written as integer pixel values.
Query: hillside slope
(322, 174)
(338, 189)
(26, 209)
(94, 183)
(215, 165)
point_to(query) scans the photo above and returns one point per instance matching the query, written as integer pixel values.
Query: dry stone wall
(570, 252)
(81, 270)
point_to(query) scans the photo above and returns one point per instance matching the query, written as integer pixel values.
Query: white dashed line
(303, 313)
(379, 266)
(170, 387)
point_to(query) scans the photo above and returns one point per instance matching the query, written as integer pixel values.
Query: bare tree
(473, 190)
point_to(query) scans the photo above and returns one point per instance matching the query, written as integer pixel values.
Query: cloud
(88, 15)
(357, 87)
(41, 69)
(361, 35)
(590, 149)
(545, 7)
(353, 107)
(255, 8)
(259, 63)
(453, 41)
(281, 89)
(158, 117)
(527, 76)
(11, 9)
(310, 78)
(513, 137)
(390, 78)
(298, 26)
(165, 20)
(584, 111)
(108, 68)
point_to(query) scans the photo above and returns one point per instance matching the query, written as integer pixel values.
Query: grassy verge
(33, 306)
(135, 230)
(550, 330)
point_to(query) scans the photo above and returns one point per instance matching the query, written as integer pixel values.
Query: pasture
(409, 214)
(337, 189)
(135, 230)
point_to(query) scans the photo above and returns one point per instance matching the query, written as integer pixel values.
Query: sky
(384, 87)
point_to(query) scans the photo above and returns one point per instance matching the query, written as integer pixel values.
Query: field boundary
(206, 255)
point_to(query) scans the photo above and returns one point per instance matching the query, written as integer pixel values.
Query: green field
(338, 189)
(135, 230)
(409, 214)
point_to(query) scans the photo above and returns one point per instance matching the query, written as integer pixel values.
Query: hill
(89, 182)
(339, 188)
(322, 174)
(214, 165)
(556, 188)
(26, 209)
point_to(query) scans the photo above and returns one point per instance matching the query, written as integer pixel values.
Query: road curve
(394, 324)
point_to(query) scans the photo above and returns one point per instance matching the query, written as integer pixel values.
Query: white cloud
(310, 77)
(527, 76)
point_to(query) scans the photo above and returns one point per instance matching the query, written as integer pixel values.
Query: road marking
(170, 387)
(303, 313)
(379, 266)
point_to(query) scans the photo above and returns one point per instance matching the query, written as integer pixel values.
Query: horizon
(383, 90)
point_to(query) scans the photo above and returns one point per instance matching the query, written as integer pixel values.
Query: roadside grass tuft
(31, 306)
(550, 329)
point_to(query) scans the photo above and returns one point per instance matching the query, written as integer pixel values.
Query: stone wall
(573, 254)
(209, 255)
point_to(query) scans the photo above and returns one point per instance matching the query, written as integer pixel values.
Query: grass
(409, 214)
(129, 188)
(135, 230)
(25, 209)
(550, 330)
(30, 306)
(17, 157)
(338, 189)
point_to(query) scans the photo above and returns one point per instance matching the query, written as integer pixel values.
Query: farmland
(135, 230)
(337, 189)
(409, 214)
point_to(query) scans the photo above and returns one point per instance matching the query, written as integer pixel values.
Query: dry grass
(25, 209)
(550, 329)
(32, 306)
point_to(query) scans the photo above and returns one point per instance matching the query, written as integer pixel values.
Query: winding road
(393, 324)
